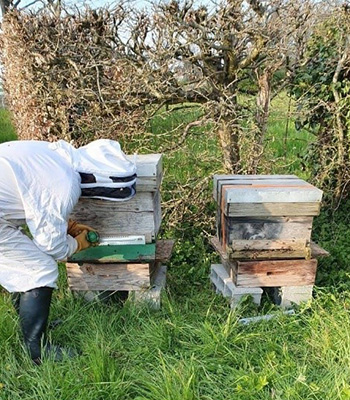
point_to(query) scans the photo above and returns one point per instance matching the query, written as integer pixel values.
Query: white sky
(97, 3)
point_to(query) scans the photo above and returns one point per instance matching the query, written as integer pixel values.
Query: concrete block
(285, 296)
(152, 295)
(223, 284)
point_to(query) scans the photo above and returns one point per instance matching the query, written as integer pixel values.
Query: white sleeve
(51, 237)
(47, 221)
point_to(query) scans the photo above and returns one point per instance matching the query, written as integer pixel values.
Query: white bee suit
(41, 187)
(40, 183)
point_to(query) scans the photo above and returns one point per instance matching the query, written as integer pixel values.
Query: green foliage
(7, 131)
(332, 231)
(194, 347)
(322, 89)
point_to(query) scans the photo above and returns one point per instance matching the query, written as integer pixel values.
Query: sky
(98, 3)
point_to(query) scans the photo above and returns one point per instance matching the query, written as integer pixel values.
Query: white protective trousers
(39, 187)
(22, 265)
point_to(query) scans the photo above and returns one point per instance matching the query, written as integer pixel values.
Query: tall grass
(194, 347)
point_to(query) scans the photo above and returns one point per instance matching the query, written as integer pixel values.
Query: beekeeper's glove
(82, 241)
(74, 228)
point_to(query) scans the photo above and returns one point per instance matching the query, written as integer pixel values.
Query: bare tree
(229, 54)
(122, 65)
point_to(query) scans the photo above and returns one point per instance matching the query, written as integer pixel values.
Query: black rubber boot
(34, 311)
(16, 298)
(34, 308)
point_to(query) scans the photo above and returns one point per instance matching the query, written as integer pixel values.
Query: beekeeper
(40, 183)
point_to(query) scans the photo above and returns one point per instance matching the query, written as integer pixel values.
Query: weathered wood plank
(317, 251)
(116, 253)
(140, 202)
(138, 216)
(275, 273)
(272, 209)
(215, 242)
(147, 185)
(147, 165)
(149, 171)
(265, 189)
(164, 248)
(88, 277)
(226, 179)
(299, 193)
(157, 212)
(269, 249)
(281, 228)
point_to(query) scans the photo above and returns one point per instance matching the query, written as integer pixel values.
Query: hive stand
(221, 276)
(264, 225)
(285, 296)
(222, 283)
(133, 260)
(143, 281)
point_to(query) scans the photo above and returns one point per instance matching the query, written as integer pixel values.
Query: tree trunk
(261, 117)
(229, 133)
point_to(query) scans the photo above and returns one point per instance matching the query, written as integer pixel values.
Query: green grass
(194, 347)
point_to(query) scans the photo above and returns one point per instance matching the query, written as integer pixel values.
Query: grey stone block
(286, 296)
(223, 284)
(152, 296)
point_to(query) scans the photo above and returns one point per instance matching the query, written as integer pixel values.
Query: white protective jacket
(40, 183)
(39, 186)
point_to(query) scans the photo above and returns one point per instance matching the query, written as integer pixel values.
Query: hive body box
(139, 216)
(264, 225)
(265, 216)
(121, 266)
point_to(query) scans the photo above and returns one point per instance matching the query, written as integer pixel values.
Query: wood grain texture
(272, 209)
(220, 180)
(278, 228)
(164, 248)
(139, 216)
(108, 276)
(147, 165)
(269, 249)
(149, 171)
(317, 251)
(265, 189)
(275, 273)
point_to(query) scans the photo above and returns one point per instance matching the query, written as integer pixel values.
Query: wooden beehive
(265, 216)
(121, 265)
(139, 216)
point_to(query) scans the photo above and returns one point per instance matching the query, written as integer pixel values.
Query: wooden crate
(270, 273)
(139, 216)
(113, 277)
(267, 211)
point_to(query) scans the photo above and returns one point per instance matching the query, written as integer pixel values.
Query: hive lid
(258, 189)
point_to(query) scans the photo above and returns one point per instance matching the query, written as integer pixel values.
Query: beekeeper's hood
(104, 169)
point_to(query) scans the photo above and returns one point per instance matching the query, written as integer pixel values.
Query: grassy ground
(194, 347)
